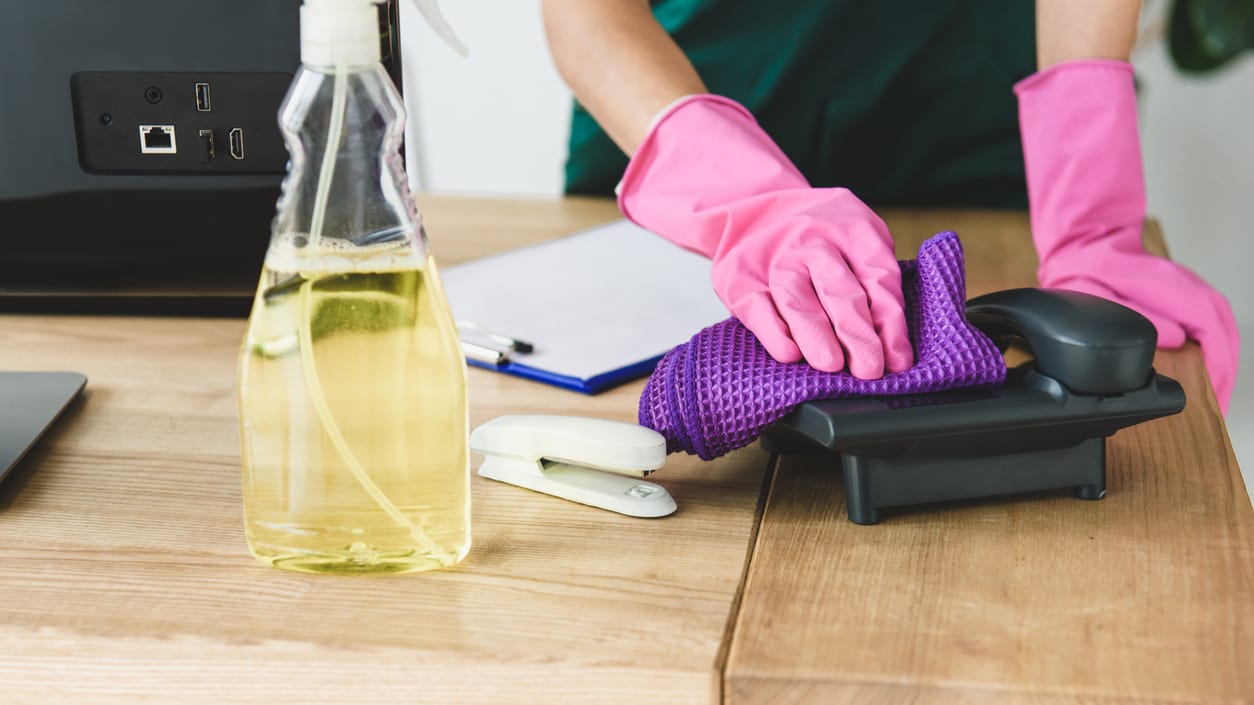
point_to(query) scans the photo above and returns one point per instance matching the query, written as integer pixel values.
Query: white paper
(591, 303)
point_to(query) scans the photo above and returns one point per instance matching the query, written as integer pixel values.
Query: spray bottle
(352, 382)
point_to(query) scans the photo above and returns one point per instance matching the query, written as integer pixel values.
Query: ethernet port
(157, 139)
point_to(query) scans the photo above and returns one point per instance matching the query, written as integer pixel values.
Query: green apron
(905, 103)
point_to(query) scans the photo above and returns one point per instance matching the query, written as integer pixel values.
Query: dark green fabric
(905, 103)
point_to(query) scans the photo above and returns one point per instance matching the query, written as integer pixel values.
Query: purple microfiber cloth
(718, 391)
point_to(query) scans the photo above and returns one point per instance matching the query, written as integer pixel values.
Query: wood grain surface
(125, 578)
(1146, 596)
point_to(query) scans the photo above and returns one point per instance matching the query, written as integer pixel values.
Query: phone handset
(1088, 344)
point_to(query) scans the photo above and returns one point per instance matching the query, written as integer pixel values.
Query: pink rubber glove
(809, 270)
(1086, 192)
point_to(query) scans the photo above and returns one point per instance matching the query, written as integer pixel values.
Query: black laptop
(29, 403)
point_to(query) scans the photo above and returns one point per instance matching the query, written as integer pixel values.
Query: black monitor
(140, 157)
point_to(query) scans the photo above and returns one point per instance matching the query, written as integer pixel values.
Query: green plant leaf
(1206, 34)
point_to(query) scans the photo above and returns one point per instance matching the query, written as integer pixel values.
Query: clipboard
(598, 308)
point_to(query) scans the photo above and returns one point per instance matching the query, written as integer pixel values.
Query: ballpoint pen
(491, 355)
(511, 345)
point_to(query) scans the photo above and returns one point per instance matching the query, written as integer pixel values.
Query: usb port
(203, 103)
(157, 139)
(237, 143)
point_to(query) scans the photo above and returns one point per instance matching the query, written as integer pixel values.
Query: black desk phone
(1046, 428)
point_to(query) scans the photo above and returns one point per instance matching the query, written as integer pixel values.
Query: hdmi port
(237, 143)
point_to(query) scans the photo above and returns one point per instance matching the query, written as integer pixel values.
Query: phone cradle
(1033, 433)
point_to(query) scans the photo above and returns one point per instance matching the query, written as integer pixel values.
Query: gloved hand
(810, 271)
(1086, 195)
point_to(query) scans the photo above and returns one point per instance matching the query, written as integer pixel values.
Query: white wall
(1198, 141)
(497, 123)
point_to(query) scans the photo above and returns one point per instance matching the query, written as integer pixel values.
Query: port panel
(112, 108)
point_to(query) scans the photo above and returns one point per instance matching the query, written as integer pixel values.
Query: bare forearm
(1084, 29)
(620, 63)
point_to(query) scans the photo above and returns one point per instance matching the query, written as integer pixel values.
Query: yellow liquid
(353, 423)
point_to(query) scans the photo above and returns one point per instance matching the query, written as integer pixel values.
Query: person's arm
(1083, 29)
(810, 271)
(1086, 183)
(619, 62)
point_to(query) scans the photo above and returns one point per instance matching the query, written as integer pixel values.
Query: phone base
(1030, 434)
(873, 483)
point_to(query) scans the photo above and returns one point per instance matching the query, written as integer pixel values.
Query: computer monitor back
(139, 151)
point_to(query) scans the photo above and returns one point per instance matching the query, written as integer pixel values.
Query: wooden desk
(124, 576)
(1146, 596)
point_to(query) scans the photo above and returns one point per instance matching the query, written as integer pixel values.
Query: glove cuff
(701, 152)
(1082, 156)
(1058, 71)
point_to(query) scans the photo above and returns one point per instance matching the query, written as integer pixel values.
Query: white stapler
(591, 461)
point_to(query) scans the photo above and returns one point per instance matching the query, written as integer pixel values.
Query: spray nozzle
(346, 33)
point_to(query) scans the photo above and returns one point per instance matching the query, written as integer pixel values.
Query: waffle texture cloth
(721, 389)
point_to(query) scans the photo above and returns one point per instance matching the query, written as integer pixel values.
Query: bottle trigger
(430, 10)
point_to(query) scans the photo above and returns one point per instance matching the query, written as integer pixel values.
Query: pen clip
(483, 353)
(511, 345)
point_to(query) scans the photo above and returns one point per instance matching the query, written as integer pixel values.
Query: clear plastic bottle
(352, 383)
